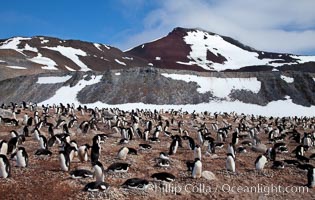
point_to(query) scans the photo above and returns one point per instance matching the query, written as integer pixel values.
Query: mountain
(41, 54)
(198, 50)
(190, 69)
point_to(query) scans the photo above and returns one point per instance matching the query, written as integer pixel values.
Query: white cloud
(278, 25)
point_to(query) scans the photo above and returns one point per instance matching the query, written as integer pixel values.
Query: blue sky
(278, 25)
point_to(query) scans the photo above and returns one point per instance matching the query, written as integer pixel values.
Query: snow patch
(120, 62)
(29, 48)
(127, 58)
(201, 42)
(73, 54)
(278, 108)
(220, 87)
(53, 79)
(287, 79)
(69, 94)
(47, 62)
(69, 68)
(98, 46)
(16, 67)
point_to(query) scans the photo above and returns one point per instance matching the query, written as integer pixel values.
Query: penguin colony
(78, 138)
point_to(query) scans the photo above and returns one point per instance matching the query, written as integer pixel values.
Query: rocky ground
(43, 178)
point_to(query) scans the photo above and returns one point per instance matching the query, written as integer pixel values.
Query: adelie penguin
(83, 152)
(64, 161)
(197, 170)
(122, 153)
(163, 176)
(81, 173)
(197, 152)
(136, 183)
(3, 147)
(191, 142)
(260, 162)
(98, 171)
(5, 167)
(21, 157)
(173, 147)
(230, 163)
(119, 167)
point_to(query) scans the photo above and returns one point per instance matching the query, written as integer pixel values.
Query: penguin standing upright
(21, 157)
(3, 147)
(311, 177)
(197, 170)
(83, 152)
(5, 168)
(122, 153)
(230, 163)
(235, 138)
(64, 160)
(231, 150)
(98, 171)
(197, 152)
(42, 142)
(96, 148)
(173, 147)
(260, 162)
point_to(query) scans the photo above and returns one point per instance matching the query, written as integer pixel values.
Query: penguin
(277, 165)
(14, 134)
(145, 146)
(191, 142)
(190, 165)
(311, 177)
(291, 162)
(37, 134)
(136, 183)
(74, 144)
(260, 162)
(200, 137)
(98, 171)
(95, 150)
(83, 152)
(197, 152)
(122, 153)
(42, 142)
(5, 167)
(230, 163)
(163, 162)
(81, 173)
(96, 186)
(197, 170)
(119, 167)
(3, 147)
(163, 176)
(64, 161)
(235, 138)
(26, 132)
(43, 152)
(271, 153)
(231, 149)
(132, 151)
(164, 156)
(173, 147)
(21, 157)
(241, 149)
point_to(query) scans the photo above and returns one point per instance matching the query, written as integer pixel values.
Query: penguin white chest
(197, 171)
(63, 163)
(230, 164)
(20, 159)
(3, 172)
